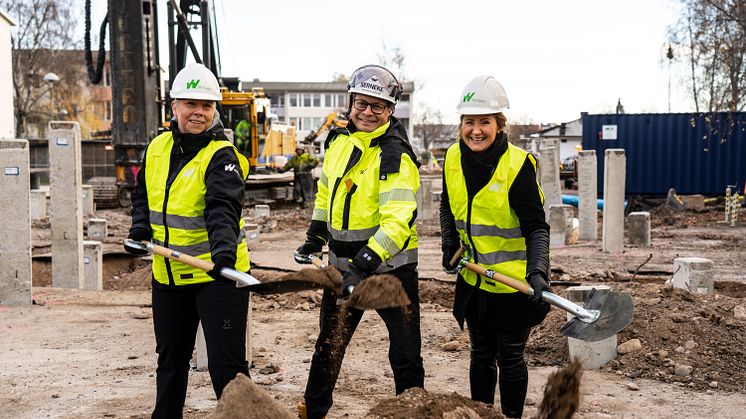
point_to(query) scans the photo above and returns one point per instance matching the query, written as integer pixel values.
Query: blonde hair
(500, 118)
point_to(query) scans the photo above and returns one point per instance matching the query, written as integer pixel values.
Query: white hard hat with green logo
(483, 96)
(195, 81)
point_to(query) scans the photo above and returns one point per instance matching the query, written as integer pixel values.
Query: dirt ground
(91, 354)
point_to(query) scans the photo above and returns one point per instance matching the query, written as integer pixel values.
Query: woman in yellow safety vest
(492, 205)
(189, 198)
(366, 210)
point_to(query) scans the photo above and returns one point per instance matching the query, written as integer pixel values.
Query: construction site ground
(91, 354)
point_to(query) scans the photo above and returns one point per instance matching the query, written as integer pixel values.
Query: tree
(45, 29)
(429, 127)
(340, 78)
(711, 40)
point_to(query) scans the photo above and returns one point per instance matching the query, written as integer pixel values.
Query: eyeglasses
(361, 105)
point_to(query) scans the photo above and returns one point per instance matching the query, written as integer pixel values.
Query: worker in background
(189, 198)
(242, 135)
(492, 204)
(365, 211)
(301, 163)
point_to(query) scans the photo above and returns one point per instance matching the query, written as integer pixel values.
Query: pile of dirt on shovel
(242, 398)
(378, 291)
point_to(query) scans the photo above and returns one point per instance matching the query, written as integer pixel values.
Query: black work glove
(310, 247)
(351, 278)
(221, 263)
(362, 265)
(539, 285)
(140, 235)
(449, 250)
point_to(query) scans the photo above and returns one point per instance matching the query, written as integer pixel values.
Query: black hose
(94, 75)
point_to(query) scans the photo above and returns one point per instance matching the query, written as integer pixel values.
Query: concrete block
(38, 202)
(694, 274)
(560, 224)
(97, 228)
(425, 206)
(549, 173)
(201, 344)
(638, 228)
(693, 202)
(588, 194)
(89, 207)
(93, 265)
(252, 235)
(615, 175)
(261, 211)
(65, 208)
(592, 355)
(15, 232)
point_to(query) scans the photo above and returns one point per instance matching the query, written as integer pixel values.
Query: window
(278, 100)
(306, 100)
(328, 100)
(293, 99)
(341, 100)
(316, 100)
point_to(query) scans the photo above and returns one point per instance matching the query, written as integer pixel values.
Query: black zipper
(346, 212)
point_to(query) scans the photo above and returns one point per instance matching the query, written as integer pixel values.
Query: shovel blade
(282, 287)
(615, 313)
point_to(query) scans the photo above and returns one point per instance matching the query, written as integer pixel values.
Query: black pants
(404, 347)
(488, 344)
(303, 187)
(223, 309)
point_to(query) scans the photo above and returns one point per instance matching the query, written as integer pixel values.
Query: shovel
(305, 279)
(603, 314)
(242, 279)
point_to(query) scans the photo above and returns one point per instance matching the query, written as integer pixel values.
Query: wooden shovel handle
(505, 280)
(182, 257)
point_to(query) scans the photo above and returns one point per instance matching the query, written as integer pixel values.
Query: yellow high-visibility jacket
(487, 224)
(177, 210)
(366, 196)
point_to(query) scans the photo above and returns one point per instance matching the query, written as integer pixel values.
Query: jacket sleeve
(397, 209)
(140, 210)
(224, 182)
(526, 199)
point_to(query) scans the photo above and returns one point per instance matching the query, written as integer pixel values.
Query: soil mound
(418, 403)
(378, 291)
(562, 392)
(242, 399)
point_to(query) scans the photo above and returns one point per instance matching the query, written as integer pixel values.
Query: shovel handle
(182, 257)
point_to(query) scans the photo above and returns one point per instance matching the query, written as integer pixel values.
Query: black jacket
(223, 197)
(510, 310)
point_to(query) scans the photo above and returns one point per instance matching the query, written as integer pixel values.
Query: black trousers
(488, 344)
(404, 346)
(303, 187)
(223, 309)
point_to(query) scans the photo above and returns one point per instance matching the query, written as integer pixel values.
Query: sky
(555, 59)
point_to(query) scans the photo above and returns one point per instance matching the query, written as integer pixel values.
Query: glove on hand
(219, 265)
(307, 249)
(539, 285)
(450, 249)
(140, 235)
(351, 277)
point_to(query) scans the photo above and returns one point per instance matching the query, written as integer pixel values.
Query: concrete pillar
(261, 211)
(87, 194)
(65, 181)
(424, 200)
(201, 345)
(252, 235)
(592, 355)
(93, 265)
(15, 231)
(549, 174)
(615, 175)
(97, 228)
(560, 224)
(694, 274)
(588, 194)
(638, 228)
(38, 201)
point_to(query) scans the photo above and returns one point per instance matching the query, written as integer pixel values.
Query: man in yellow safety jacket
(301, 163)
(365, 211)
(189, 198)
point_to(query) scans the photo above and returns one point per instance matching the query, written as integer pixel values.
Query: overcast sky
(554, 58)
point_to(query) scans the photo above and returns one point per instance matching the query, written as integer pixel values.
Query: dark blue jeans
(223, 309)
(404, 346)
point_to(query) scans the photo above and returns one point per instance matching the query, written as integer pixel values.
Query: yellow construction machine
(334, 119)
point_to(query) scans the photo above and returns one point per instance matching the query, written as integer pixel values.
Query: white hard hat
(195, 81)
(482, 96)
(376, 81)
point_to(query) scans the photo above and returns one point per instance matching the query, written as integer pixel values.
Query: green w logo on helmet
(469, 96)
(192, 84)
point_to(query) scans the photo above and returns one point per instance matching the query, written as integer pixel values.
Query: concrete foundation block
(560, 224)
(261, 211)
(89, 207)
(615, 175)
(97, 228)
(549, 173)
(424, 200)
(252, 235)
(592, 355)
(638, 228)
(587, 194)
(15, 231)
(694, 274)
(38, 202)
(93, 265)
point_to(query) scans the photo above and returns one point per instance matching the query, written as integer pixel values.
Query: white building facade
(7, 117)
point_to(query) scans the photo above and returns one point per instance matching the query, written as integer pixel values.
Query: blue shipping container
(695, 153)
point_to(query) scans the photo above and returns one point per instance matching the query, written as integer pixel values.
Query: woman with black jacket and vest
(492, 205)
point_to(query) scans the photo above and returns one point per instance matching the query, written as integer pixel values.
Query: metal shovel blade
(615, 313)
(283, 286)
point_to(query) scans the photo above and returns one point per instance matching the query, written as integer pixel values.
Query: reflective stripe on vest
(177, 213)
(489, 226)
